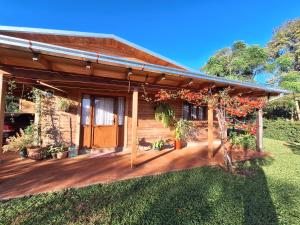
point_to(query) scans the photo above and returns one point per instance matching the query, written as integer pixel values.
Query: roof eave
(54, 50)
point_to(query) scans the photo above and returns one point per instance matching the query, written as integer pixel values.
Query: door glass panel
(185, 111)
(201, 113)
(194, 112)
(86, 110)
(121, 106)
(104, 111)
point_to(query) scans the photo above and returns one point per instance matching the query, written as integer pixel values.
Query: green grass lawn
(270, 195)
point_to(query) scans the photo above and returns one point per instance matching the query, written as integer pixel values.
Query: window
(86, 110)
(121, 106)
(192, 112)
(104, 111)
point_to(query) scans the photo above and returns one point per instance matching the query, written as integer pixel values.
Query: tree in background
(284, 54)
(240, 61)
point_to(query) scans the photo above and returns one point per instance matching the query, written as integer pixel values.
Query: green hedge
(282, 130)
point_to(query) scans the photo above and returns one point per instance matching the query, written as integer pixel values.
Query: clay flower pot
(178, 144)
(62, 155)
(35, 153)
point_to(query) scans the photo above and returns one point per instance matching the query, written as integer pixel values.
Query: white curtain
(86, 110)
(121, 103)
(194, 112)
(186, 111)
(201, 113)
(104, 111)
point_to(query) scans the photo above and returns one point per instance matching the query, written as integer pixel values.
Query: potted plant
(35, 152)
(159, 144)
(61, 151)
(182, 128)
(20, 141)
(52, 151)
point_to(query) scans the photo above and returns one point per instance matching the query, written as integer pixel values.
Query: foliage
(58, 147)
(284, 46)
(21, 140)
(283, 108)
(282, 130)
(11, 102)
(63, 104)
(164, 113)
(240, 61)
(284, 53)
(182, 128)
(290, 81)
(204, 195)
(159, 144)
(242, 140)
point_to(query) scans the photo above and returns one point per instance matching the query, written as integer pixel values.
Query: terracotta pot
(177, 144)
(62, 155)
(35, 153)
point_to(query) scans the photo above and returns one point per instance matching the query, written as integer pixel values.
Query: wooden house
(104, 77)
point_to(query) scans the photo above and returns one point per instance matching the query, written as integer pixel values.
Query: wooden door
(104, 127)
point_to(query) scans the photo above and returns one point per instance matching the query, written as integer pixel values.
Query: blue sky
(186, 31)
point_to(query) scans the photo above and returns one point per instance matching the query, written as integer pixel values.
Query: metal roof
(54, 50)
(88, 35)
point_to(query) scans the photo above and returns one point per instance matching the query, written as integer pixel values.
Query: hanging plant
(165, 114)
(64, 104)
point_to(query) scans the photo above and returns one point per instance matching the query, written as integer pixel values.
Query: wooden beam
(210, 135)
(42, 61)
(159, 78)
(134, 122)
(259, 132)
(186, 82)
(2, 106)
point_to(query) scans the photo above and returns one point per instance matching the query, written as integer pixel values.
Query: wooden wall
(63, 125)
(148, 129)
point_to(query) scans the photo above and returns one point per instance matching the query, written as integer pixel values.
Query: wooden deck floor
(27, 177)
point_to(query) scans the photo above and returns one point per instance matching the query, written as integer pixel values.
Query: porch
(27, 177)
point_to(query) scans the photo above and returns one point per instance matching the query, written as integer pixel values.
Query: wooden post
(134, 126)
(2, 107)
(126, 123)
(259, 132)
(210, 122)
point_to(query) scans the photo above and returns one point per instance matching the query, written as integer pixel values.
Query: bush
(283, 108)
(282, 130)
(242, 140)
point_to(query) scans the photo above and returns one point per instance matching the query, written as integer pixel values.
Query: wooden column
(210, 133)
(134, 122)
(126, 123)
(259, 132)
(2, 107)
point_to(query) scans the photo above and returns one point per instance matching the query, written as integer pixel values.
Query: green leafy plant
(282, 130)
(159, 144)
(11, 101)
(22, 140)
(164, 113)
(182, 128)
(242, 140)
(63, 104)
(59, 147)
